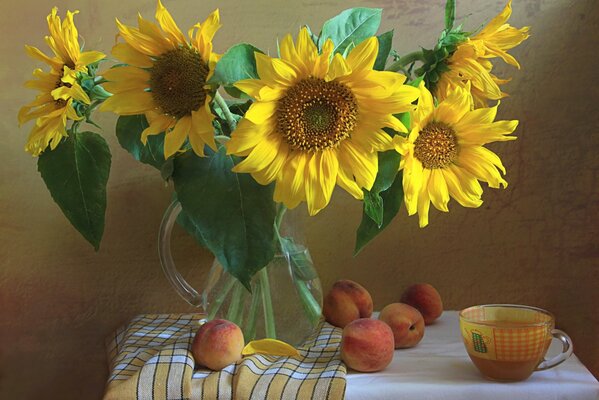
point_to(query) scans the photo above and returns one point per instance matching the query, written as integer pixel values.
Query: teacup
(508, 342)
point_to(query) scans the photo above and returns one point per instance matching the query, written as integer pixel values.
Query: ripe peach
(367, 345)
(406, 322)
(345, 302)
(217, 344)
(425, 299)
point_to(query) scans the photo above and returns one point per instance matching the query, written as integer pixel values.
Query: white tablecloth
(439, 368)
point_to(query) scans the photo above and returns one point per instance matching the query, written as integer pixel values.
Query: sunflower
(59, 87)
(470, 63)
(317, 120)
(444, 156)
(165, 79)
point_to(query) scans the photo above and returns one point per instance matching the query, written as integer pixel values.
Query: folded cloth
(150, 358)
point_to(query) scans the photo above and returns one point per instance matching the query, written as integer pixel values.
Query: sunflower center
(177, 81)
(315, 114)
(436, 146)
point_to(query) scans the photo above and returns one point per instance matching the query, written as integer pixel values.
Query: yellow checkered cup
(508, 342)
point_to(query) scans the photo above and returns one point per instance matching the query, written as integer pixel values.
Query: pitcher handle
(567, 350)
(184, 289)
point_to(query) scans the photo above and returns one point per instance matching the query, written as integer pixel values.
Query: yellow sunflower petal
(465, 198)
(487, 133)
(496, 22)
(438, 191)
(362, 57)
(363, 165)
(480, 165)
(271, 347)
(424, 202)
(210, 25)
(141, 42)
(202, 131)
(321, 64)
(273, 70)
(339, 68)
(34, 52)
(27, 114)
(290, 54)
(412, 182)
(346, 181)
(126, 73)
(132, 102)
(127, 54)
(168, 25)
(157, 124)
(174, 139)
(245, 137)
(454, 107)
(260, 157)
(289, 189)
(306, 49)
(261, 111)
(90, 57)
(274, 169)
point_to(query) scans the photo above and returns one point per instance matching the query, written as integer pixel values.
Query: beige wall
(534, 243)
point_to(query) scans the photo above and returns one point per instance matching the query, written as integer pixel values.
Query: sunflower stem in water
(218, 302)
(269, 317)
(223, 106)
(250, 330)
(236, 308)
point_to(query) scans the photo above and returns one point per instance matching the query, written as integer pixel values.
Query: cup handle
(567, 349)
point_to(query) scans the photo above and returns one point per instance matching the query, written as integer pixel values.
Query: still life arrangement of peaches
(367, 344)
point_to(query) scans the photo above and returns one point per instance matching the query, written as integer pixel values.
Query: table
(439, 368)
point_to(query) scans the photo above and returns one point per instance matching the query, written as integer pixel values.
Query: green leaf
(76, 173)
(392, 199)
(234, 214)
(388, 167)
(385, 43)
(449, 14)
(406, 119)
(373, 207)
(189, 225)
(128, 132)
(239, 62)
(350, 26)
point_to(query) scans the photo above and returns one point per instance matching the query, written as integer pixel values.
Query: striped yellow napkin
(150, 359)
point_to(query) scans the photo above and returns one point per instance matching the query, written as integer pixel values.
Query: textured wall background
(534, 243)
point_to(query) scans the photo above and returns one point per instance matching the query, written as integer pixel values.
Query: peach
(425, 299)
(217, 344)
(367, 345)
(346, 302)
(406, 322)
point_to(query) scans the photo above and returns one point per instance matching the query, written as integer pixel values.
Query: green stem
(406, 60)
(250, 330)
(236, 306)
(223, 106)
(278, 221)
(311, 306)
(218, 302)
(269, 316)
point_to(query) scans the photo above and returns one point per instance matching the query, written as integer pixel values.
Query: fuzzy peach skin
(426, 299)
(346, 302)
(217, 344)
(406, 322)
(367, 345)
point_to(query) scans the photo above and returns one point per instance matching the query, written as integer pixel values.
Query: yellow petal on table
(271, 347)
